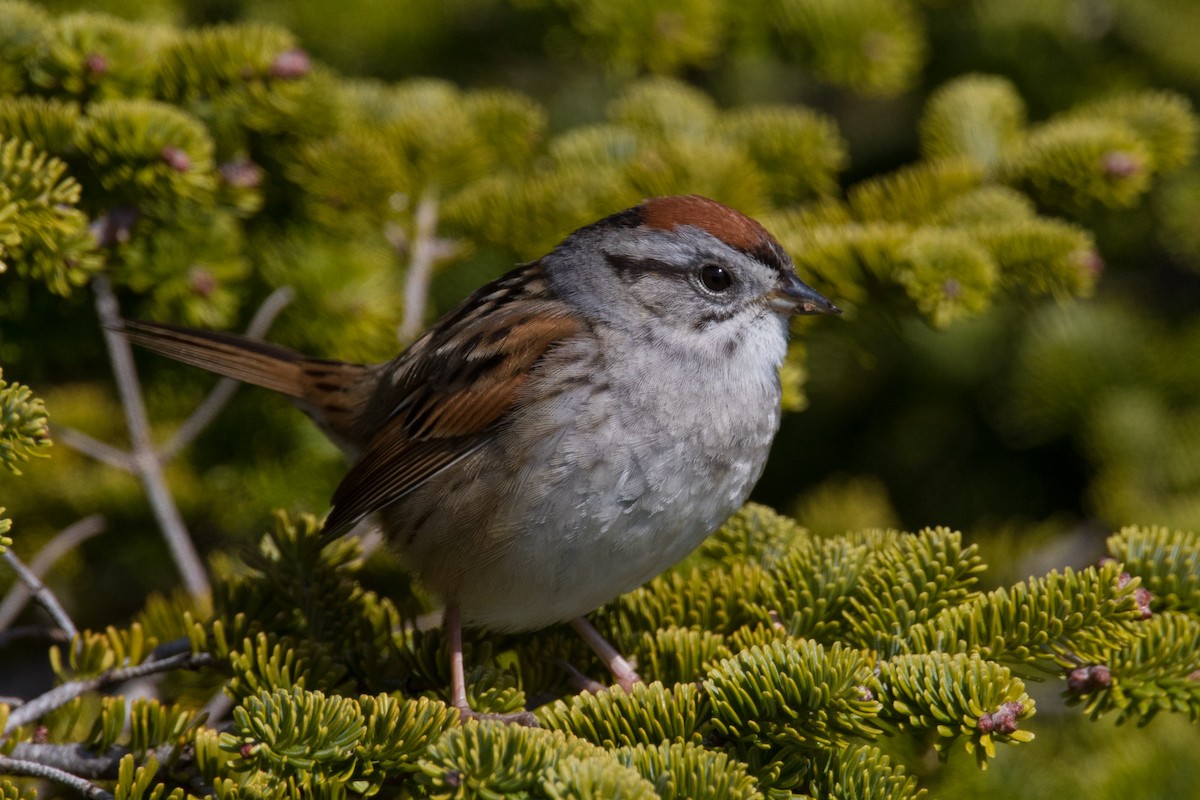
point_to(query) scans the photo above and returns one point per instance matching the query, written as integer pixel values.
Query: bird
(570, 430)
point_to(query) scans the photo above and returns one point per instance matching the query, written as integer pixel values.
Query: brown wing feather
(455, 388)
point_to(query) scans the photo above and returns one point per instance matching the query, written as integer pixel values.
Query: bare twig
(217, 708)
(32, 769)
(41, 593)
(423, 254)
(207, 411)
(44, 633)
(89, 446)
(61, 695)
(78, 760)
(146, 462)
(63, 542)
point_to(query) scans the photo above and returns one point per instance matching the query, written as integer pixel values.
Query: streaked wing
(455, 386)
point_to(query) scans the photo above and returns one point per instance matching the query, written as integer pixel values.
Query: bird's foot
(525, 719)
(624, 673)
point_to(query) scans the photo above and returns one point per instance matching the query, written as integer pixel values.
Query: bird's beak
(794, 296)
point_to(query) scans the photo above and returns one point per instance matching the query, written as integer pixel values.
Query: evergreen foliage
(41, 232)
(24, 429)
(782, 715)
(1123, 387)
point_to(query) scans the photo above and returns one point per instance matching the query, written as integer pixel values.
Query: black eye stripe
(712, 275)
(630, 268)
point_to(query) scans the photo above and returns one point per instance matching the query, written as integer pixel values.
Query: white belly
(615, 487)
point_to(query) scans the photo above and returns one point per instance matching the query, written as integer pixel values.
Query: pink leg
(458, 678)
(621, 669)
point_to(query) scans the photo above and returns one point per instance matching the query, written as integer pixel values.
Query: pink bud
(1084, 680)
(291, 64)
(176, 158)
(95, 64)
(241, 173)
(1119, 164)
(1092, 264)
(1144, 597)
(202, 282)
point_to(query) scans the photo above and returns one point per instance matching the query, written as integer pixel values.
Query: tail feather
(336, 394)
(258, 363)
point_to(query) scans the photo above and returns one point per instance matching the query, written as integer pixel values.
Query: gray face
(688, 282)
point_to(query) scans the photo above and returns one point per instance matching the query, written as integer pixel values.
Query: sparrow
(570, 430)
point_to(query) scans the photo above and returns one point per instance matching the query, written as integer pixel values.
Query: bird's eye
(715, 278)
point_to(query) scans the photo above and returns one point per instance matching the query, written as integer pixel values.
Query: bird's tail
(336, 394)
(247, 360)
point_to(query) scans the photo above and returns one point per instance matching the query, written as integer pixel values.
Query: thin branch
(41, 593)
(31, 769)
(32, 633)
(61, 695)
(424, 252)
(146, 463)
(63, 542)
(207, 411)
(89, 446)
(78, 760)
(217, 708)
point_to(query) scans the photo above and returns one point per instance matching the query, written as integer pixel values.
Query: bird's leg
(621, 669)
(458, 677)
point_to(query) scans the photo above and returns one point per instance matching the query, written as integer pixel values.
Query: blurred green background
(1037, 427)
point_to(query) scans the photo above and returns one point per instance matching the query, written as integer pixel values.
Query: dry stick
(217, 708)
(44, 596)
(81, 762)
(32, 769)
(61, 695)
(146, 463)
(207, 411)
(63, 542)
(89, 446)
(420, 266)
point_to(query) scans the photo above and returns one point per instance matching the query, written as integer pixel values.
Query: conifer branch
(63, 542)
(41, 593)
(146, 462)
(78, 760)
(65, 693)
(31, 769)
(216, 400)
